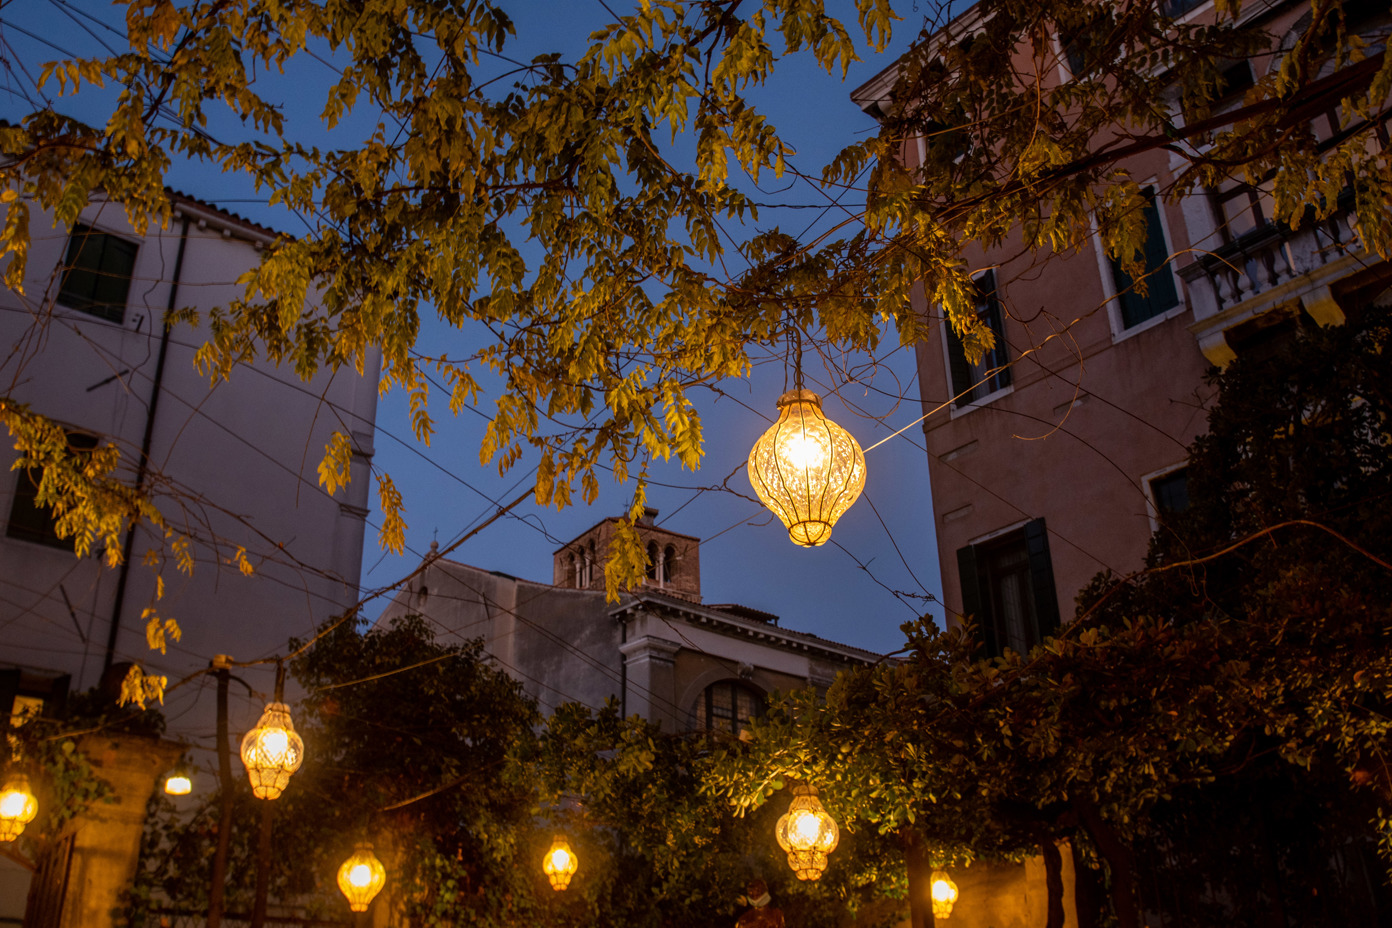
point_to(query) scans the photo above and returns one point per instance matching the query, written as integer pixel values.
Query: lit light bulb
(273, 744)
(178, 784)
(360, 875)
(807, 834)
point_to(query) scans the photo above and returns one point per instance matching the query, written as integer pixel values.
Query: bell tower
(674, 559)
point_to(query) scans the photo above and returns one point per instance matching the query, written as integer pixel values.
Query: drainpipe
(623, 668)
(143, 464)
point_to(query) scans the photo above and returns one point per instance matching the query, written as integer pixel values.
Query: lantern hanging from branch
(272, 751)
(17, 807)
(807, 833)
(361, 878)
(560, 863)
(944, 893)
(806, 468)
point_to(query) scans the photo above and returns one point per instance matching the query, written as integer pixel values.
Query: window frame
(703, 711)
(25, 498)
(1004, 378)
(1147, 486)
(79, 238)
(1033, 536)
(1105, 265)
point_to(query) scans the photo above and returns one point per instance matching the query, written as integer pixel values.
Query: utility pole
(221, 666)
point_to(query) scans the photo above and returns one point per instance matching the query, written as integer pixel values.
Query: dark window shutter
(1042, 577)
(1161, 295)
(960, 371)
(973, 603)
(995, 319)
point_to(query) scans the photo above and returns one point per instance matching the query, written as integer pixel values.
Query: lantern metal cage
(361, 877)
(807, 833)
(17, 807)
(806, 468)
(560, 863)
(272, 751)
(944, 894)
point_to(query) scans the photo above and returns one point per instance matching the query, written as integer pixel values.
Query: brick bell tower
(674, 560)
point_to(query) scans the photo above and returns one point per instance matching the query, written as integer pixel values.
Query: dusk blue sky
(857, 589)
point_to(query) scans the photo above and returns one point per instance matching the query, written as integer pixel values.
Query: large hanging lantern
(944, 893)
(272, 751)
(807, 833)
(806, 468)
(17, 807)
(560, 863)
(361, 878)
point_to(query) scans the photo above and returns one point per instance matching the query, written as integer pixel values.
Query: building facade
(658, 652)
(1057, 455)
(231, 465)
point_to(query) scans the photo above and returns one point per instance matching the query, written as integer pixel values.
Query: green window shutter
(1161, 295)
(974, 604)
(1042, 578)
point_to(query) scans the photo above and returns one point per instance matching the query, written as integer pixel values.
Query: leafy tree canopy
(627, 171)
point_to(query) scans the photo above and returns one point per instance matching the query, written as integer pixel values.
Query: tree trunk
(920, 870)
(1053, 882)
(1119, 859)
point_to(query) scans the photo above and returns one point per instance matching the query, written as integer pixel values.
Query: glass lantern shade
(17, 807)
(361, 878)
(944, 893)
(807, 834)
(272, 751)
(806, 468)
(560, 863)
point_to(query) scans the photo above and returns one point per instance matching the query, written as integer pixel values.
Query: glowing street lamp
(560, 863)
(179, 782)
(17, 807)
(807, 833)
(272, 751)
(806, 468)
(361, 878)
(944, 893)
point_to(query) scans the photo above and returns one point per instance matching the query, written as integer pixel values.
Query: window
(1173, 9)
(30, 521)
(728, 706)
(27, 695)
(652, 560)
(669, 564)
(1161, 295)
(1008, 586)
(1170, 492)
(97, 273)
(971, 382)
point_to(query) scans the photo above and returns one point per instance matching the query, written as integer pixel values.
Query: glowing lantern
(179, 782)
(559, 864)
(807, 833)
(272, 751)
(17, 807)
(944, 893)
(806, 468)
(361, 878)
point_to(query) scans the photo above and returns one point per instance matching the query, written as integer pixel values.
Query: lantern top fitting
(272, 751)
(17, 806)
(361, 877)
(807, 833)
(944, 893)
(806, 468)
(560, 863)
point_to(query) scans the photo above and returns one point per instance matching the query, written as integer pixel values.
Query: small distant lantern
(807, 833)
(272, 751)
(361, 878)
(944, 893)
(560, 863)
(17, 807)
(806, 468)
(179, 782)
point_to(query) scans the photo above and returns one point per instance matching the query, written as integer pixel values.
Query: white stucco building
(231, 465)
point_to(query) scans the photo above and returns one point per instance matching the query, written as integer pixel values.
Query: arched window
(728, 706)
(669, 565)
(572, 577)
(652, 560)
